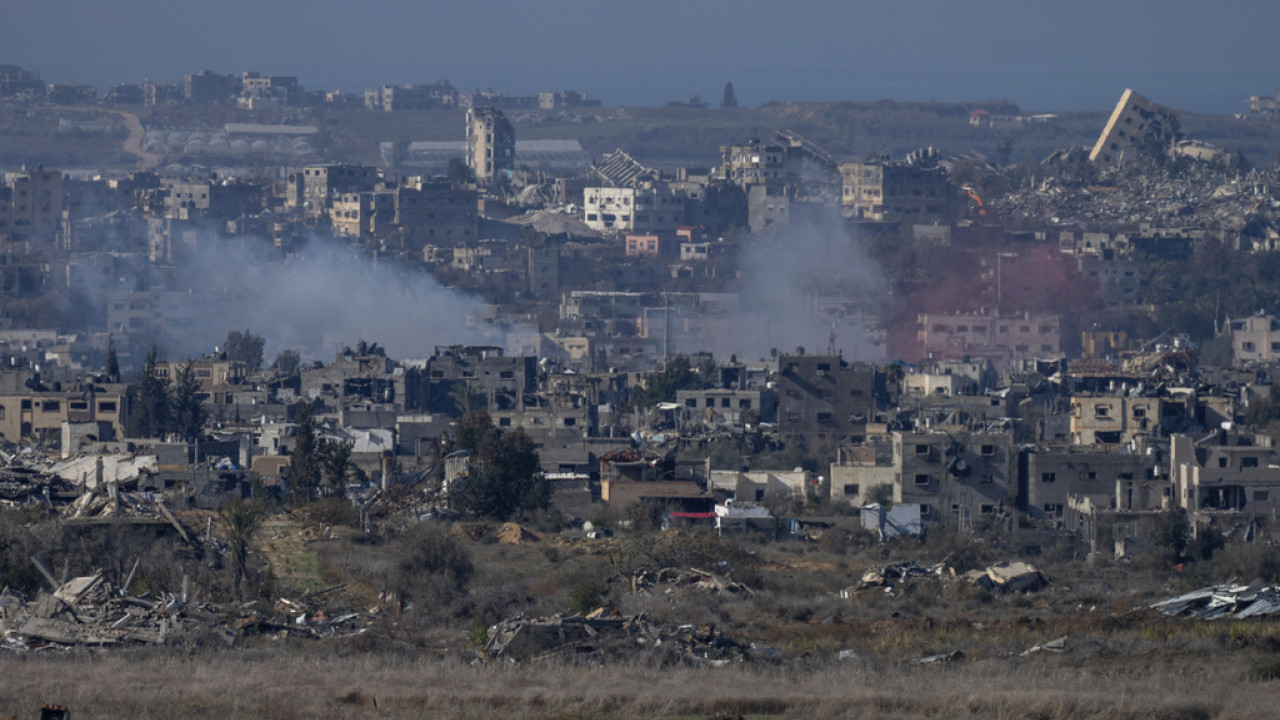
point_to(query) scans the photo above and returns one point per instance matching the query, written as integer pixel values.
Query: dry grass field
(290, 684)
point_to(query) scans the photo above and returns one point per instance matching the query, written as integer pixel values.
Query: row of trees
(316, 467)
(164, 407)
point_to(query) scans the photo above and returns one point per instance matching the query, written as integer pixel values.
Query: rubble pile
(889, 576)
(1015, 577)
(1129, 195)
(1228, 600)
(611, 637)
(672, 581)
(91, 611)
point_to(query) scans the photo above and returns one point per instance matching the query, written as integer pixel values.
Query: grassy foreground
(286, 683)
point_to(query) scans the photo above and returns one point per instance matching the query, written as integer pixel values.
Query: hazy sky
(1067, 54)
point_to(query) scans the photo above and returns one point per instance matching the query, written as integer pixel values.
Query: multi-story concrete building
(754, 163)
(28, 405)
(956, 476)
(1050, 477)
(1114, 419)
(1135, 123)
(1226, 476)
(435, 213)
(1255, 339)
(649, 208)
(315, 187)
(208, 87)
(491, 144)
(396, 98)
(1021, 336)
(898, 192)
(822, 397)
(363, 215)
(31, 205)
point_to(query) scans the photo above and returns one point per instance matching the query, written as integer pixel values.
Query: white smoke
(323, 298)
(802, 283)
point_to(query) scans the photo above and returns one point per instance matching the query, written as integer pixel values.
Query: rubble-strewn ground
(690, 626)
(288, 684)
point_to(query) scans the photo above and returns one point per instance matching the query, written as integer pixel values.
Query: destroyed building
(1000, 337)
(824, 398)
(913, 191)
(1136, 124)
(956, 476)
(491, 144)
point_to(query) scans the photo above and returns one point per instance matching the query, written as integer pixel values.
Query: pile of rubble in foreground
(90, 611)
(614, 637)
(1228, 600)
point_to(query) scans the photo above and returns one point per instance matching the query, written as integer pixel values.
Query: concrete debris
(515, 534)
(889, 576)
(613, 637)
(1213, 196)
(1058, 645)
(941, 658)
(1228, 600)
(1016, 577)
(672, 581)
(91, 611)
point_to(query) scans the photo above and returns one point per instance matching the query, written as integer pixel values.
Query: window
(570, 422)
(1053, 509)
(824, 417)
(1101, 411)
(507, 374)
(504, 422)
(1, 412)
(922, 449)
(988, 449)
(1222, 462)
(987, 509)
(925, 510)
(988, 479)
(726, 402)
(744, 404)
(851, 490)
(51, 406)
(1090, 475)
(691, 402)
(1048, 477)
(1248, 462)
(922, 479)
(1261, 495)
(1140, 411)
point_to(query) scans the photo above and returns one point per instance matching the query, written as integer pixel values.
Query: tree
(186, 413)
(288, 362)
(241, 519)
(335, 460)
(304, 461)
(1173, 532)
(113, 363)
(505, 475)
(430, 568)
(457, 171)
(662, 386)
(730, 99)
(245, 347)
(150, 416)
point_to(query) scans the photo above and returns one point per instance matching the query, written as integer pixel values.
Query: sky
(1078, 55)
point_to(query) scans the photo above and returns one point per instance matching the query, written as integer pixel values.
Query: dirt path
(133, 143)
